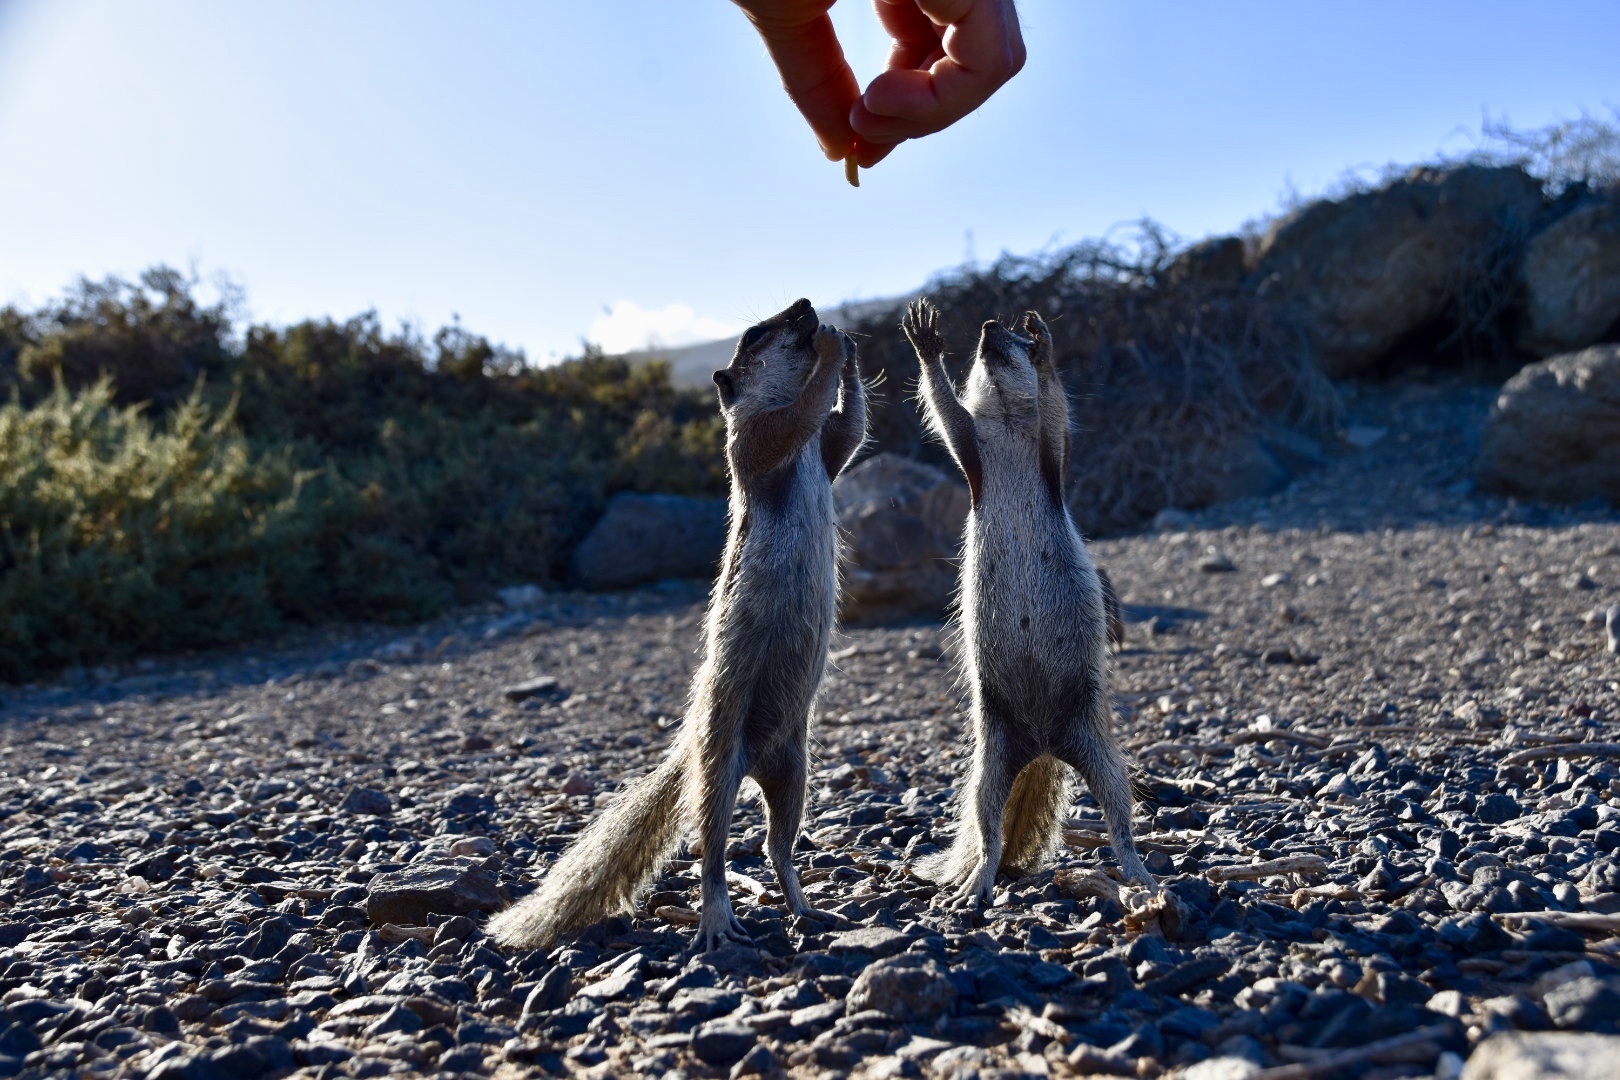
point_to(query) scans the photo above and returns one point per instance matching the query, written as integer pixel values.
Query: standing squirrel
(1032, 614)
(766, 636)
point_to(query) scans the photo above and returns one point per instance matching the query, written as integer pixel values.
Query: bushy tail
(956, 863)
(1031, 828)
(1035, 814)
(607, 866)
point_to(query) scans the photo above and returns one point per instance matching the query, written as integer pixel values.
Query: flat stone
(723, 1042)
(612, 988)
(907, 987)
(869, 940)
(407, 897)
(1545, 1056)
(545, 686)
(368, 802)
(1586, 1002)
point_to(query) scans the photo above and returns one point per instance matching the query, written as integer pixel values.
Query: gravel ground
(277, 860)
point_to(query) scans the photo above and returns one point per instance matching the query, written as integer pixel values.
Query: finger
(867, 153)
(916, 38)
(946, 12)
(916, 45)
(817, 78)
(983, 49)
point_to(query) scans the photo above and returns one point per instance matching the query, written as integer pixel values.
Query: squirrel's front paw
(921, 327)
(833, 346)
(1035, 328)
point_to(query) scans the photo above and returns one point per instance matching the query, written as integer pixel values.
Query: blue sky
(533, 165)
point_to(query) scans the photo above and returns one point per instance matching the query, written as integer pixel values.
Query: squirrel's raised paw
(833, 346)
(1035, 329)
(921, 327)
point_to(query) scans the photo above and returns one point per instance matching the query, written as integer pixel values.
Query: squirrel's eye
(752, 338)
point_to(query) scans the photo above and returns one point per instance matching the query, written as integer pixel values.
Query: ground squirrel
(1031, 613)
(769, 621)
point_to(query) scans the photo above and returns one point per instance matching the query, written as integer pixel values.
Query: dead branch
(1020, 1017)
(1091, 840)
(1589, 922)
(1567, 750)
(1458, 734)
(1239, 738)
(1201, 749)
(748, 884)
(1288, 864)
(1301, 897)
(1420, 1045)
(1080, 884)
(680, 916)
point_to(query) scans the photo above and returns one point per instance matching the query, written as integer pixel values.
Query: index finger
(817, 78)
(983, 49)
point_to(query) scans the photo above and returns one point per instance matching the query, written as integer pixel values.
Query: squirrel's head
(772, 361)
(1003, 389)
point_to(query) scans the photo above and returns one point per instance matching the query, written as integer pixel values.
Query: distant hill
(692, 366)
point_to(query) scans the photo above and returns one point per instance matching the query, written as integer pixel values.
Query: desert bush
(120, 534)
(1164, 377)
(154, 339)
(169, 484)
(1580, 153)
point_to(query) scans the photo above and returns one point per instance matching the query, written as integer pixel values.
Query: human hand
(948, 57)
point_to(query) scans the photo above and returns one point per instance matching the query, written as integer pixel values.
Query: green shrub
(154, 340)
(169, 485)
(120, 535)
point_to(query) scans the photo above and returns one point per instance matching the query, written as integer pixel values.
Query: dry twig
(1566, 750)
(1590, 922)
(1288, 864)
(1239, 738)
(1301, 897)
(1420, 1045)
(680, 916)
(1201, 749)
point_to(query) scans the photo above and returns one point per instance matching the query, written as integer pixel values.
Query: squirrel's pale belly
(1032, 613)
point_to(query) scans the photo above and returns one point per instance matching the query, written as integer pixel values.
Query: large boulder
(1245, 466)
(1571, 280)
(645, 538)
(1360, 274)
(902, 524)
(1554, 432)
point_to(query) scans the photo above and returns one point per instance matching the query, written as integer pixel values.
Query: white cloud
(628, 326)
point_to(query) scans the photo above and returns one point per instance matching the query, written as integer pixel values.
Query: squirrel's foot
(717, 933)
(973, 892)
(1138, 875)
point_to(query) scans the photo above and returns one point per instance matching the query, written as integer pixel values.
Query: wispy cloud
(628, 326)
